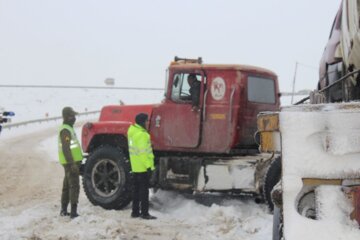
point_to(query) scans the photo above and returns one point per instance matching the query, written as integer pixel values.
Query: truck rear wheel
(271, 178)
(106, 179)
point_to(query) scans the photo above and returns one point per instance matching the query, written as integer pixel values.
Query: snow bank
(178, 218)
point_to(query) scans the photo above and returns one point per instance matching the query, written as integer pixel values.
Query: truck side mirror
(176, 81)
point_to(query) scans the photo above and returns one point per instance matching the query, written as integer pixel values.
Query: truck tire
(277, 224)
(307, 205)
(271, 178)
(107, 179)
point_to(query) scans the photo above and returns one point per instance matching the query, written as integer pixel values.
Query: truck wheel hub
(105, 177)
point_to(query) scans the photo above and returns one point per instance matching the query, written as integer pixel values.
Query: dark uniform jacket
(195, 93)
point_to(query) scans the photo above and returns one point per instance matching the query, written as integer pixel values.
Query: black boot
(148, 216)
(73, 213)
(63, 211)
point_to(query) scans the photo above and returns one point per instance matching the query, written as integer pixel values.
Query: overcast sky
(83, 42)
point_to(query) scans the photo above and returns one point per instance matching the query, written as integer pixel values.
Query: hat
(68, 111)
(141, 118)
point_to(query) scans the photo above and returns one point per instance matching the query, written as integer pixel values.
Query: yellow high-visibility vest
(140, 150)
(74, 146)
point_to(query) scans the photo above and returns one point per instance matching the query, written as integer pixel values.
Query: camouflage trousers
(71, 185)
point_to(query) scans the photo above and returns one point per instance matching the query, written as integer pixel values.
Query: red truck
(209, 148)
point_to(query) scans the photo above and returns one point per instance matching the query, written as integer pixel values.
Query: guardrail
(11, 125)
(81, 87)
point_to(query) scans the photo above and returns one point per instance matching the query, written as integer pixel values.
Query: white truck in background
(318, 196)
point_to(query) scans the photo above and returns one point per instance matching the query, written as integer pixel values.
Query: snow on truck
(318, 196)
(207, 149)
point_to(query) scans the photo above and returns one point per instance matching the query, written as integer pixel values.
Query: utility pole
(293, 85)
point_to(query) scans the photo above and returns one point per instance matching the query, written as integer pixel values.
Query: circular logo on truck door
(218, 88)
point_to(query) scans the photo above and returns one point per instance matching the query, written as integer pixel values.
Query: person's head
(68, 115)
(141, 119)
(191, 79)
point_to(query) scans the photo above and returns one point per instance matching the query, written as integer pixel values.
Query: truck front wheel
(106, 179)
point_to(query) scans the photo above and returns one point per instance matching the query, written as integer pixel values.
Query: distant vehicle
(109, 81)
(5, 117)
(204, 149)
(342, 55)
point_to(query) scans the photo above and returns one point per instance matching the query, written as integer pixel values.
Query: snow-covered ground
(35, 103)
(31, 181)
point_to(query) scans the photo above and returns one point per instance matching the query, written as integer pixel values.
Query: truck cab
(225, 121)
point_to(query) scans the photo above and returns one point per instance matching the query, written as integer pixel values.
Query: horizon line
(82, 87)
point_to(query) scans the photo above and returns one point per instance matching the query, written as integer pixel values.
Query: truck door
(177, 120)
(261, 96)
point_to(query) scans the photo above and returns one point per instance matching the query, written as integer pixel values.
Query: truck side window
(181, 87)
(176, 88)
(261, 90)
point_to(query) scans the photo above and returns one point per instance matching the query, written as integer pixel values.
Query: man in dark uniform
(70, 156)
(194, 91)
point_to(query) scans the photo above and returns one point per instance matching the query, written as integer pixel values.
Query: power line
(79, 87)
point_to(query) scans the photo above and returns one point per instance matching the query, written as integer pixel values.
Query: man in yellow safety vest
(142, 165)
(70, 156)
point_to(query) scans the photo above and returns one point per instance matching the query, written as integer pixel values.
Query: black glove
(151, 177)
